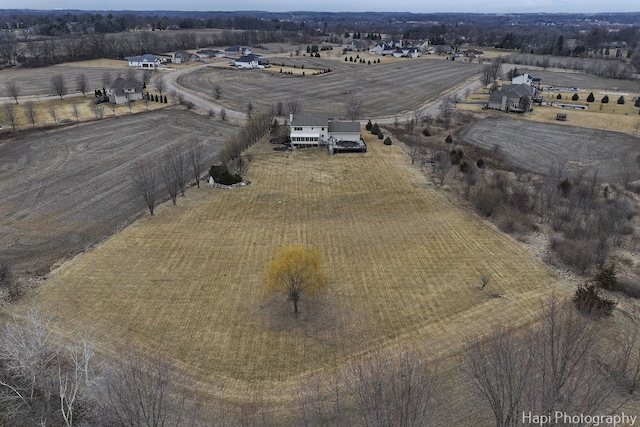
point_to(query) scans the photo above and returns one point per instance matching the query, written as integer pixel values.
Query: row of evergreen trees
(604, 100)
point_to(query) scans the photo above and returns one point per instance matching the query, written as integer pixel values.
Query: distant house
(237, 50)
(382, 49)
(209, 53)
(406, 52)
(357, 45)
(311, 130)
(473, 53)
(251, 62)
(442, 49)
(180, 57)
(424, 46)
(145, 61)
(123, 91)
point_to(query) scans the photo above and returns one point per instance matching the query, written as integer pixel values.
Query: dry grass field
(65, 113)
(538, 147)
(403, 262)
(385, 89)
(68, 188)
(37, 81)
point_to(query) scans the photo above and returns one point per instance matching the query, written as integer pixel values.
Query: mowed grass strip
(403, 263)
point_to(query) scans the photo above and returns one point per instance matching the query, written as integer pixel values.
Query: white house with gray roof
(145, 61)
(123, 91)
(311, 130)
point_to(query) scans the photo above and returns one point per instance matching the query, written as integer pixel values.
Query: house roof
(234, 49)
(247, 58)
(208, 52)
(147, 57)
(521, 89)
(309, 120)
(338, 126)
(120, 84)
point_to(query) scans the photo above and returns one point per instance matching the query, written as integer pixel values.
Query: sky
(418, 6)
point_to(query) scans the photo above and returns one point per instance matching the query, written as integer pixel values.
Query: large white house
(250, 62)
(145, 61)
(122, 91)
(311, 130)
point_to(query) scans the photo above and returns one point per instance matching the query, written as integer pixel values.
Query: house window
(297, 129)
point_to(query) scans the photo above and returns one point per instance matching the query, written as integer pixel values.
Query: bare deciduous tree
(293, 106)
(353, 107)
(169, 178)
(159, 84)
(217, 91)
(75, 108)
(142, 391)
(195, 159)
(13, 89)
(446, 105)
(10, 114)
(59, 85)
(552, 368)
(53, 112)
(394, 392)
(31, 113)
(145, 181)
(42, 379)
(106, 78)
(82, 84)
(98, 111)
(499, 367)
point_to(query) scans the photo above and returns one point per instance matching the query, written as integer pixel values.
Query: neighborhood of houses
(308, 131)
(239, 56)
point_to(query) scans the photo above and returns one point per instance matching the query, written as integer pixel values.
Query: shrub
(481, 163)
(387, 141)
(606, 278)
(426, 132)
(13, 290)
(380, 135)
(464, 167)
(578, 254)
(588, 301)
(621, 100)
(486, 199)
(559, 96)
(564, 187)
(375, 129)
(605, 99)
(456, 156)
(575, 97)
(591, 98)
(629, 286)
(221, 175)
(637, 103)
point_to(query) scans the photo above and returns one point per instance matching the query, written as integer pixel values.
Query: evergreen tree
(591, 98)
